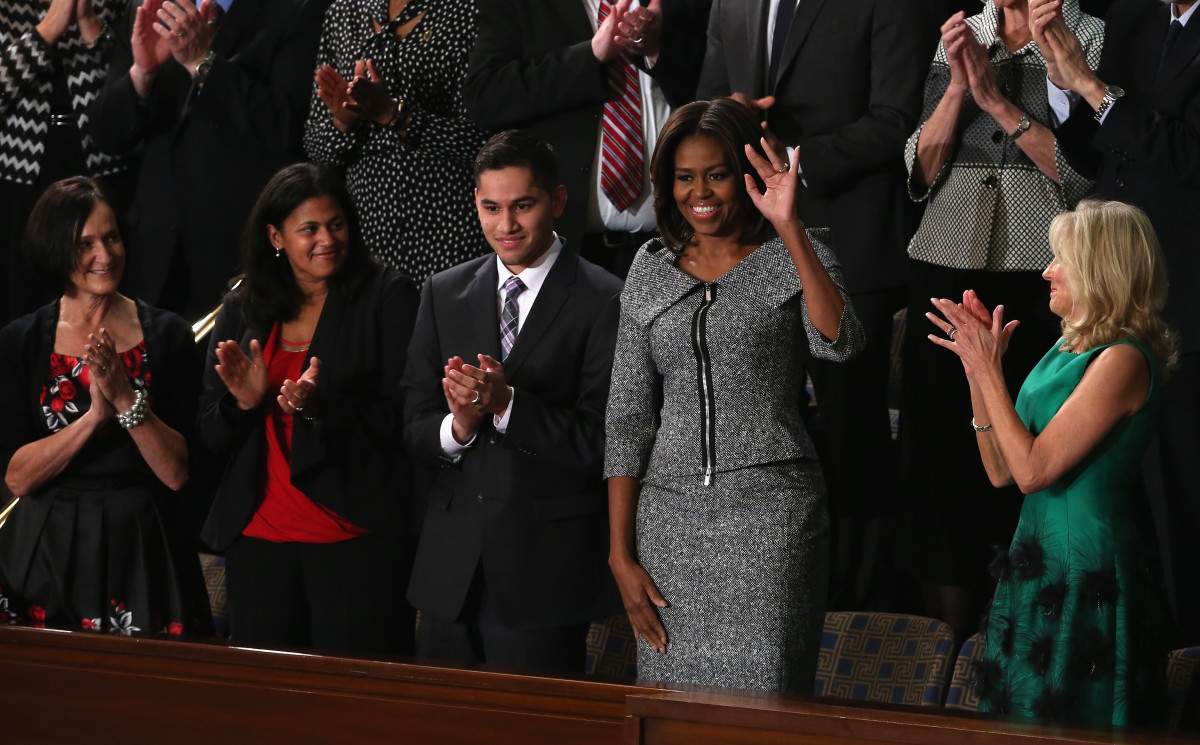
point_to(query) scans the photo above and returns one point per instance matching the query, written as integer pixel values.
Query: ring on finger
(636, 40)
(786, 167)
(950, 332)
(475, 401)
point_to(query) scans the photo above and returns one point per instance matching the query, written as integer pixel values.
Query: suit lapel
(550, 299)
(1187, 46)
(243, 16)
(481, 301)
(756, 32)
(802, 23)
(328, 330)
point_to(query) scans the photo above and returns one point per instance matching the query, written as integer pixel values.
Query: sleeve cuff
(450, 446)
(1060, 103)
(501, 422)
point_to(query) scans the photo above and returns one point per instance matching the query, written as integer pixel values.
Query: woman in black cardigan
(98, 393)
(301, 392)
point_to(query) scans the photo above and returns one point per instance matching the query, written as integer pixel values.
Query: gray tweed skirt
(744, 565)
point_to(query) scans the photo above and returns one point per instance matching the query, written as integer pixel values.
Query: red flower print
(66, 389)
(87, 623)
(59, 365)
(57, 404)
(37, 613)
(175, 628)
(42, 398)
(133, 362)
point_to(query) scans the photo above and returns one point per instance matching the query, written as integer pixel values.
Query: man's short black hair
(515, 147)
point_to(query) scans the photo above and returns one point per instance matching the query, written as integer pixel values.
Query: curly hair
(1117, 276)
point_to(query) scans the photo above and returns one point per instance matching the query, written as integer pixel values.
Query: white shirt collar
(1183, 19)
(535, 274)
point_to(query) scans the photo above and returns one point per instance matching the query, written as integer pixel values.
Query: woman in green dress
(1074, 632)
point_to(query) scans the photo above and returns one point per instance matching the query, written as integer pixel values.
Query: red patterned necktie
(621, 144)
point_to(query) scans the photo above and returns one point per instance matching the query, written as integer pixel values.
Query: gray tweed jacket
(707, 376)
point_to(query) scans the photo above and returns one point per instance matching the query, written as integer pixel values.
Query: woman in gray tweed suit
(716, 501)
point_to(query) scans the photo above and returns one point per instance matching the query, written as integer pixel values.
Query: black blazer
(350, 458)
(530, 504)
(848, 95)
(1148, 150)
(207, 154)
(532, 68)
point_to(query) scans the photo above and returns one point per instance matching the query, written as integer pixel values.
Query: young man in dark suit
(1138, 123)
(841, 82)
(506, 384)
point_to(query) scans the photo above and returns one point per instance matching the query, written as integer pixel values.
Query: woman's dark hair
(733, 126)
(515, 147)
(269, 288)
(51, 241)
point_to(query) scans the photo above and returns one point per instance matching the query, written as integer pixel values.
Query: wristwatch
(1022, 127)
(1111, 94)
(204, 68)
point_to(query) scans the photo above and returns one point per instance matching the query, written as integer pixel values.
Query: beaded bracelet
(137, 413)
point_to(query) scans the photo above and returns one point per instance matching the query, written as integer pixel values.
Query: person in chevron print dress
(53, 57)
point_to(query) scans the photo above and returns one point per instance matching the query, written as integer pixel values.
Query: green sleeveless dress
(1075, 631)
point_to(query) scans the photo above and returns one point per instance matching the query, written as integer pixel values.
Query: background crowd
(354, 431)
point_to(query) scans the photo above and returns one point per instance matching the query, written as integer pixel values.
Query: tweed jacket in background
(27, 72)
(756, 329)
(989, 206)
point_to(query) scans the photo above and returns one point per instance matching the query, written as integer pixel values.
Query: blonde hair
(1117, 276)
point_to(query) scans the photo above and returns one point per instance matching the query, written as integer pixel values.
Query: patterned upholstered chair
(884, 657)
(611, 648)
(961, 696)
(1182, 667)
(214, 578)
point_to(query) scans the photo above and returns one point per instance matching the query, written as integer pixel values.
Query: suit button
(997, 137)
(493, 438)
(1120, 183)
(990, 182)
(479, 497)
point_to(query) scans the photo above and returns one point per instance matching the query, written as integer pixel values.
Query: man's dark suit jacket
(1148, 150)
(529, 504)
(848, 95)
(206, 154)
(350, 457)
(532, 68)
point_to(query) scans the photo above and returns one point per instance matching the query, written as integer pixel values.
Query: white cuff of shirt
(501, 422)
(1061, 102)
(451, 446)
(791, 154)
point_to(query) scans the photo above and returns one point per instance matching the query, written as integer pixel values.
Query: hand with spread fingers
(187, 30)
(640, 31)
(604, 42)
(300, 396)
(108, 371)
(757, 106)
(978, 338)
(245, 377)
(777, 201)
(640, 596)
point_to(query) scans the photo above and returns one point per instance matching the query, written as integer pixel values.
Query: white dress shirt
(639, 218)
(533, 277)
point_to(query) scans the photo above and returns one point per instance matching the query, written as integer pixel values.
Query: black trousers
(345, 597)
(1173, 487)
(479, 636)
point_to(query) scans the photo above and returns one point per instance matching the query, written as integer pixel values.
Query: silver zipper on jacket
(708, 435)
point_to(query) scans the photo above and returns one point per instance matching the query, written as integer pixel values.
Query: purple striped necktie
(621, 144)
(513, 286)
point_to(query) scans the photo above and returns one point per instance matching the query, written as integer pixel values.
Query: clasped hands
(978, 336)
(366, 96)
(471, 392)
(1066, 62)
(636, 31)
(62, 13)
(247, 379)
(108, 383)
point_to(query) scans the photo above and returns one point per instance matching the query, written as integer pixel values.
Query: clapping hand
(187, 30)
(640, 31)
(368, 95)
(245, 377)
(980, 75)
(107, 372)
(978, 337)
(1042, 14)
(605, 46)
(300, 396)
(954, 37)
(334, 90)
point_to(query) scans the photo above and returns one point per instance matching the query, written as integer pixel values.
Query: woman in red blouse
(302, 396)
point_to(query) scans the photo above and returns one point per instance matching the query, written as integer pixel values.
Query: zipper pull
(708, 473)
(708, 292)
